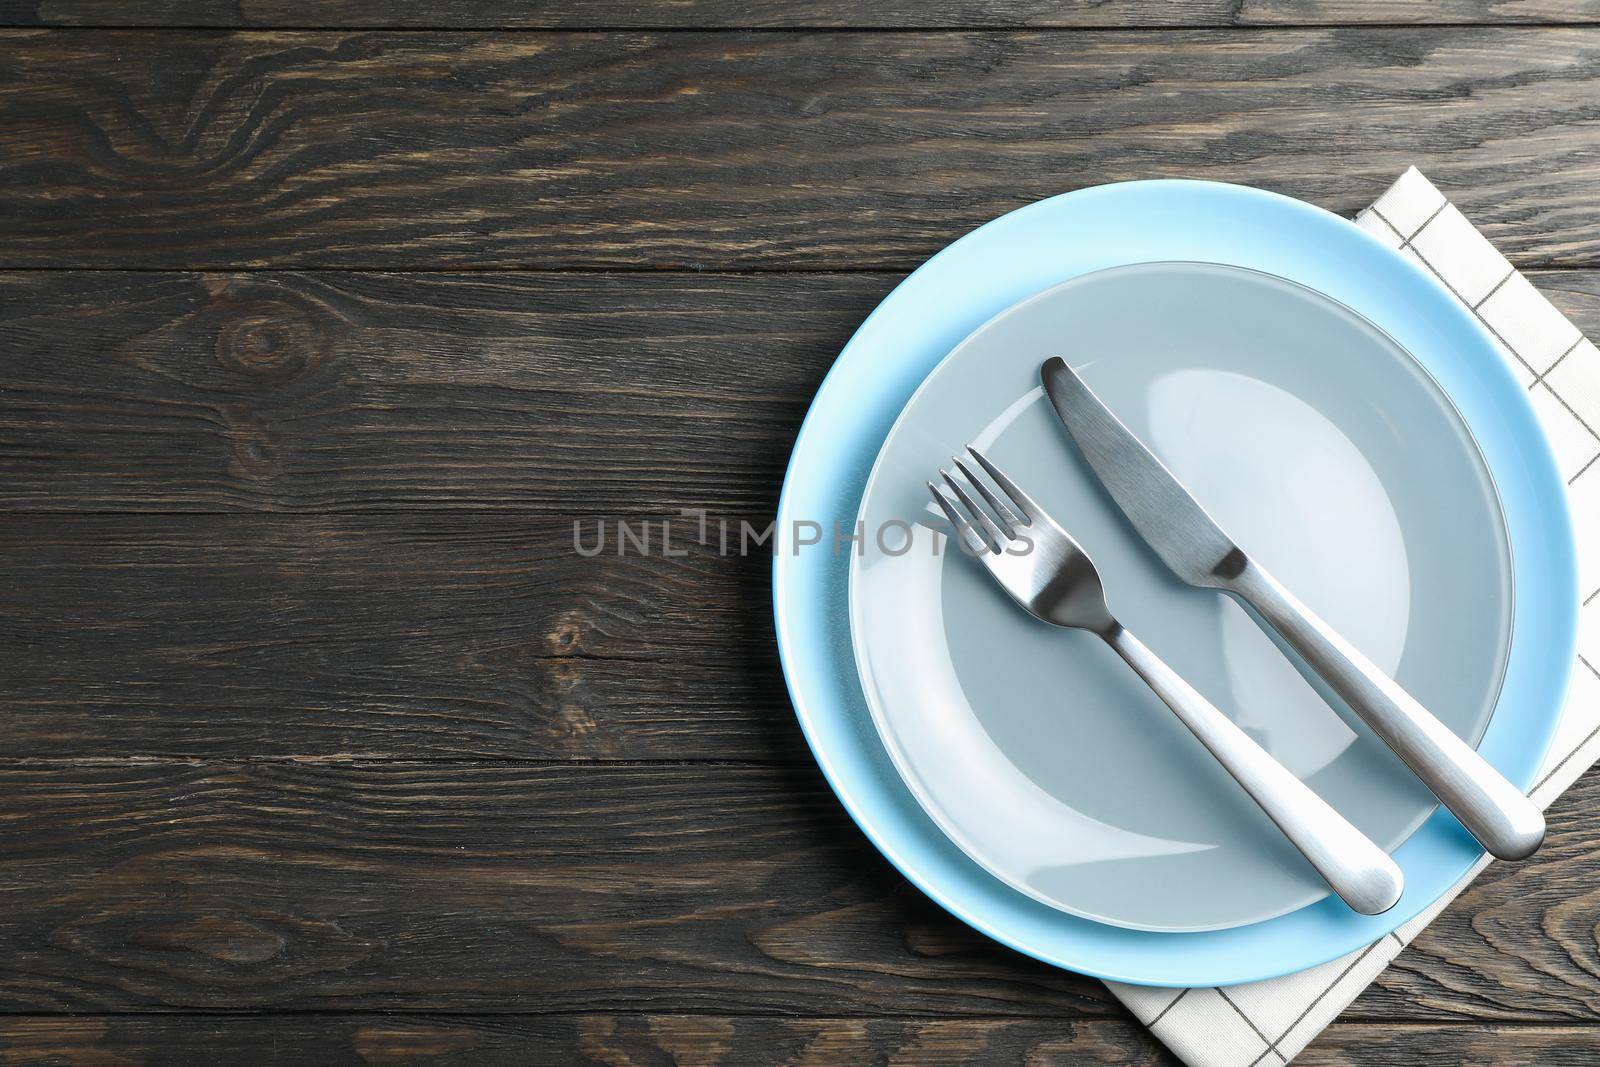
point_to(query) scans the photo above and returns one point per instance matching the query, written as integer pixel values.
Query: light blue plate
(1030, 250)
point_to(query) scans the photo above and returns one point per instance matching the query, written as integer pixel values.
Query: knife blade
(1172, 522)
(1191, 543)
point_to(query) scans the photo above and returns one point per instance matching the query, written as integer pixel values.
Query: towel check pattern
(1264, 1024)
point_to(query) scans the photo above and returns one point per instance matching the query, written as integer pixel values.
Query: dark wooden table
(320, 325)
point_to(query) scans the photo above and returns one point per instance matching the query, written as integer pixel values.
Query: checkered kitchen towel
(1268, 1023)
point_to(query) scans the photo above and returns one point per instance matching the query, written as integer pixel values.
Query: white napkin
(1268, 1023)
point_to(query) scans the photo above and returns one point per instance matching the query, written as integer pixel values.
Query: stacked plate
(1340, 413)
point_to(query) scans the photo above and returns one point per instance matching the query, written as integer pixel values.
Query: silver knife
(1190, 542)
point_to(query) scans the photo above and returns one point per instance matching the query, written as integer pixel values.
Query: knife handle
(1493, 810)
(1363, 875)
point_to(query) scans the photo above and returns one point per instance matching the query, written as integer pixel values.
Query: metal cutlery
(1048, 574)
(1197, 550)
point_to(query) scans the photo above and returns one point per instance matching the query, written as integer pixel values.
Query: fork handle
(1497, 813)
(1359, 871)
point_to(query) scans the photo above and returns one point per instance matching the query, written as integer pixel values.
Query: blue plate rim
(1543, 554)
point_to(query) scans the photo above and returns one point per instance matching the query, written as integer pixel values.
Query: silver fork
(1044, 570)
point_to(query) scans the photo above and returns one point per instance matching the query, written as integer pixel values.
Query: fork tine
(1009, 487)
(997, 537)
(973, 541)
(1008, 516)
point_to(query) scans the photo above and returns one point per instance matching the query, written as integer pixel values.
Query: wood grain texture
(597, 395)
(711, 14)
(1388, 1045)
(489, 638)
(601, 395)
(751, 151)
(660, 888)
(727, 1041)
(351, 886)
(609, 1040)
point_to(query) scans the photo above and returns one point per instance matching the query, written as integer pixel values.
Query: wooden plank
(740, 1039)
(409, 887)
(598, 395)
(1403, 12)
(710, 14)
(601, 395)
(620, 14)
(221, 636)
(581, 1039)
(1387, 1045)
(750, 151)
(660, 888)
